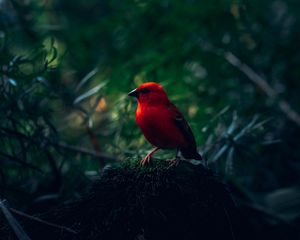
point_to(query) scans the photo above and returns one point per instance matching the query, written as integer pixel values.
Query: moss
(152, 202)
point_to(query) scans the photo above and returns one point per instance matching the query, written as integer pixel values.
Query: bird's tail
(189, 153)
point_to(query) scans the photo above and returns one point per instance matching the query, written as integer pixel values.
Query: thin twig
(283, 105)
(17, 160)
(14, 224)
(43, 221)
(103, 156)
(63, 145)
(263, 84)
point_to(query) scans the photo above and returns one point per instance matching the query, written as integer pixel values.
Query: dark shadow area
(184, 202)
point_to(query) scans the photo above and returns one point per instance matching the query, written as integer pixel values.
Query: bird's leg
(174, 162)
(146, 159)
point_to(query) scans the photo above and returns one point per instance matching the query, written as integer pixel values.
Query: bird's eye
(144, 90)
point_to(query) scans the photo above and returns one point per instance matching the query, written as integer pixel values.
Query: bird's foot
(145, 161)
(174, 162)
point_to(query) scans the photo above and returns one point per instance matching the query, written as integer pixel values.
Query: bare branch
(103, 156)
(263, 84)
(283, 105)
(249, 72)
(42, 221)
(14, 224)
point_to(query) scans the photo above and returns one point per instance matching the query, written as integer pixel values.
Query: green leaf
(89, 93)
(229, 161)
(86, 78)
(233, 125)
(246, 129)
(12, 82)
(220, 153)
(284, 203)
(16, 227)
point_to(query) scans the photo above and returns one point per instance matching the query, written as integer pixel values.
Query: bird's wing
(182, 125)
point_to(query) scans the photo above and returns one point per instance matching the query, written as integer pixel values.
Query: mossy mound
(146, 203)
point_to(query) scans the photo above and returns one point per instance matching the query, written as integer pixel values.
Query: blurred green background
(232, 68)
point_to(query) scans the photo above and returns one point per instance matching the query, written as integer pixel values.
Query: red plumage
(161, 122)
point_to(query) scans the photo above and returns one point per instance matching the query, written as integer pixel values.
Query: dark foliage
(232, 68)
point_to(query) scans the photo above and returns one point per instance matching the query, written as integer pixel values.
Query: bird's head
(150, 93)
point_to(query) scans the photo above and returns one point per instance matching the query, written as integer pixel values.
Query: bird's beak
(133, 93)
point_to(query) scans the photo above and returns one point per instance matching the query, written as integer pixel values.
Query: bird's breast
(158, 127)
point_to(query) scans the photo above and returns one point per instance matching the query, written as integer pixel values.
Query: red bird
(161, 122)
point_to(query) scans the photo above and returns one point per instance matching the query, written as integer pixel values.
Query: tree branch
(103, 156)
(19, 231)
(283, 105)
(71, 148)
(42, 221)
